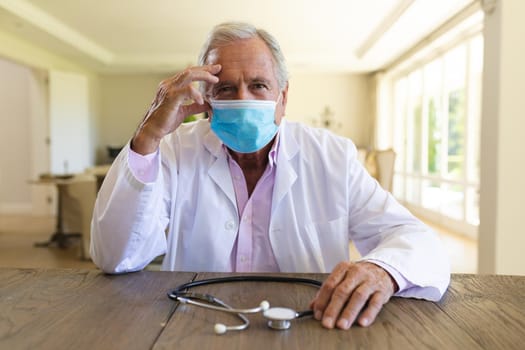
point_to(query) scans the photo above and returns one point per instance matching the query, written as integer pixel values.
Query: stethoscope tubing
(242, 278)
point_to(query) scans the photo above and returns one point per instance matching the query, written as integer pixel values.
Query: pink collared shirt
(252, 250)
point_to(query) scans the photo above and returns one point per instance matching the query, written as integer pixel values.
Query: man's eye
(224, 89)
(259, 86)
(223, 92)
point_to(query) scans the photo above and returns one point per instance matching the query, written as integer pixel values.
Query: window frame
(468, 221)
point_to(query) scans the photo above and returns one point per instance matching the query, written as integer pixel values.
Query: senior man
(245, 190)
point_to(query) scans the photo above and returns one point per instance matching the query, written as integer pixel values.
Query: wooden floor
(463, 251)
(19, 233)
(17, 237)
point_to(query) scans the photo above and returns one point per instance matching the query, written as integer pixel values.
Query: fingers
(181, 88)
(375, 304)
(204, 73)
(324, 295)
(357, 301)
(352, 291)
(195, 95)
(196, 108)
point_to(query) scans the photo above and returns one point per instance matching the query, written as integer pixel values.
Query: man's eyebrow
(220, 84)
(260, 80)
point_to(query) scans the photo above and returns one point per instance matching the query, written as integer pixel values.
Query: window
(436, 134)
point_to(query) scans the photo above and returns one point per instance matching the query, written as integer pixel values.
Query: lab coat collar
(285, 175)
(219, 170)
(212, 143)
(288, 147)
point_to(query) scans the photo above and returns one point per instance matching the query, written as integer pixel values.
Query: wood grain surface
(489, 308)
(403, 324)
(83, 309)
(86, 309)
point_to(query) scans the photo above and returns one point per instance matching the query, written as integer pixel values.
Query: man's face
(247, 73)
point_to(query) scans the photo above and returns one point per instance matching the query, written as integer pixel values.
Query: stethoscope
(278, 317)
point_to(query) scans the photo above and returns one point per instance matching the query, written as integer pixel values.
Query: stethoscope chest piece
(279, 317)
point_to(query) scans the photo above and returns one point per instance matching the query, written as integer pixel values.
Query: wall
(501, 238)
(347, 95)
(15, 134)
(124, 100)
(37, 62)
(31, 55)
(69, 122)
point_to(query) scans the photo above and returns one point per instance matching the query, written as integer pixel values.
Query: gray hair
(229, 32)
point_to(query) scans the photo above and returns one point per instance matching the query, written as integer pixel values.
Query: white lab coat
(322, 199)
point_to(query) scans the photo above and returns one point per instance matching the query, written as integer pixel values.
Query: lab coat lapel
(285, 175)
(219, 170)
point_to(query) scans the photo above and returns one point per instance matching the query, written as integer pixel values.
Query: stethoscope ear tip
(265, 305)
(220, 328)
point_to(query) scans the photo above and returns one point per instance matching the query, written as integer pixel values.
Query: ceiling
(166, 35)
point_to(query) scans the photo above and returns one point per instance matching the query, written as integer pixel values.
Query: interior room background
(40, 91)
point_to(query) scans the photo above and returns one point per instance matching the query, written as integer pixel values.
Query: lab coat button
(229, 225)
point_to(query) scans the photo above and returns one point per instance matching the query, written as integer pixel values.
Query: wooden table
(85, 309)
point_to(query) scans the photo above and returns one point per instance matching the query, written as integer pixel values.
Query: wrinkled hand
(176, 98)
(353, 291)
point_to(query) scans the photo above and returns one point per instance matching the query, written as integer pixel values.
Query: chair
(380, 164)
(99, 171)
(78, 201)
(76, 196)
(361, 155)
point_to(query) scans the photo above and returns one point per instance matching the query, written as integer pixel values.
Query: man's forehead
(249, 58)
(241, 51)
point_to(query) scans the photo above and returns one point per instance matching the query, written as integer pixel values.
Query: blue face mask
(244, 126)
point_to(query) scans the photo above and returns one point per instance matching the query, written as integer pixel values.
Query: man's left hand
(353, 291)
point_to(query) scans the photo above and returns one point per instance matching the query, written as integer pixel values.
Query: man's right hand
(173, 103)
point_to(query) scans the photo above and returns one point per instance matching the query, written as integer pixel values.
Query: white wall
(15, 137)
(40, 155)
(29, 54)
(501, 232)
(71, 147)
(37, 62)
(347, 95)
(124, 100)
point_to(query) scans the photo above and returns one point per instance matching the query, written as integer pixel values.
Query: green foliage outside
(416, 162)
(434, 139)
(190, 118)
(456, 133)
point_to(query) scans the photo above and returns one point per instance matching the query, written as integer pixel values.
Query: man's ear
(281, 105)
(284, 99)
(285, 95)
